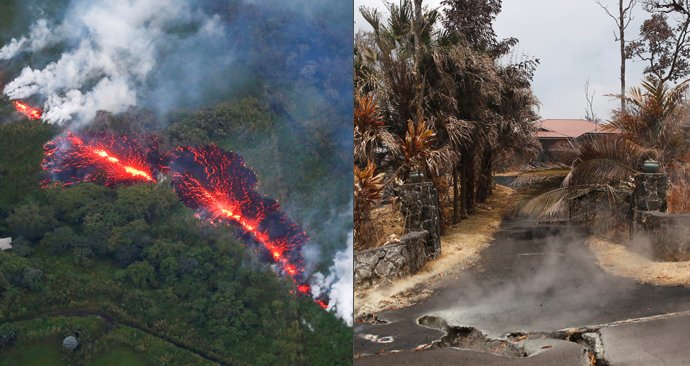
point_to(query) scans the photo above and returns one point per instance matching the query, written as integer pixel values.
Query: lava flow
(215, 183)
(220, 187)
(101, 159)
(27, 110)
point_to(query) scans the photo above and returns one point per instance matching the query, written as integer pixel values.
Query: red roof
(565, 128)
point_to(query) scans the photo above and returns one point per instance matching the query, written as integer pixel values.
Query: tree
(141, 274)
(474, 100)
(590, 115)
(664, 46)
(31, 221)
(7, 337)
(622, 20)
(652, 126)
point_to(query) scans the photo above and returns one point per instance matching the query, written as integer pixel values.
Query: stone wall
(419, 206)
(668, 233)
(392, 260)
(650, 192)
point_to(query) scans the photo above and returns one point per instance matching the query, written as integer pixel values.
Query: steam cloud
(111, 50)
(339, 283)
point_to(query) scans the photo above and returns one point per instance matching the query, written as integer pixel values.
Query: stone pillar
(421, 211)
(650, 192)
(649, 195)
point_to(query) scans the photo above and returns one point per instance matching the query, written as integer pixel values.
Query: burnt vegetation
(439, 95)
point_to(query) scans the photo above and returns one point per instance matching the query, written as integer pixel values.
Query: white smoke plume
(41, 37)
(338, 284)
(112, 48)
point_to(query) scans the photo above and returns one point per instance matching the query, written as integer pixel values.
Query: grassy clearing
(120, 355)
(46, 352)
(39, 342)
(461, 246)
(158, 351)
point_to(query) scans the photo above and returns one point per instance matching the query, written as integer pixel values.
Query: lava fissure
(215, 183)
(27, 110)
(101, 159)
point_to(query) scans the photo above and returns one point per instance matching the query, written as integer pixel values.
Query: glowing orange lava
(27, 110)
(100, 159)
(222, 188)
(128, 169)
(225, 210)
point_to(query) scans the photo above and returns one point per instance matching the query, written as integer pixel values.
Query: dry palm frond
(368, 185)
(441, 161)
(459, 132)
(565, 152)
(418, 144)
(540, 175)
(367, 114)
(368, 190)
(370, 133)
(604, 160)
(679, 187)
(596, 171)
(559, 203)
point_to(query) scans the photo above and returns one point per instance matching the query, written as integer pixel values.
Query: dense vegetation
(438, 93)
(141, 255)
(137, 255)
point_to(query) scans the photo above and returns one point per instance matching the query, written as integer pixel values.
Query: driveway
(533, 279)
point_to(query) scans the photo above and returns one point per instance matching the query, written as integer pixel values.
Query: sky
(574, 41)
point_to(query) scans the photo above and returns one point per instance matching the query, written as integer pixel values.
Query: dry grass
(461, 247)
(679, 196)
(618, 260)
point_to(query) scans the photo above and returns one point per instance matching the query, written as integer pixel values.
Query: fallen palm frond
(540, 175)
(559, 204)
(605, 160)
(596, 171)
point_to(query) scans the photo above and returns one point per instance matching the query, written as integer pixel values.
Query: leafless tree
(622, 19)
(590, 115)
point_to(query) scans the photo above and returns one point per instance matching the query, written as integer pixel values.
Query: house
(5, 243)
(553, 131)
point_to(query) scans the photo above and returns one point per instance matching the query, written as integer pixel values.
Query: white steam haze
(41, 36)
(338, 284)
(112, 47)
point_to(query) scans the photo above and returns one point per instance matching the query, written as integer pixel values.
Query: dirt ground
(620, 261)
(461, 246)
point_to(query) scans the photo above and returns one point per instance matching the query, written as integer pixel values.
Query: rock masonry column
(421, 212)
(650, 192)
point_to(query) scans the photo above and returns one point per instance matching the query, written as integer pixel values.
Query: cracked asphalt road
(536, 277)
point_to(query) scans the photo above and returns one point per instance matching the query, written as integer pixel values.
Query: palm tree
(473, 108)
(651, 126)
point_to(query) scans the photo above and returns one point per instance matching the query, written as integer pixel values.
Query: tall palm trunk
(466, 184)
(456, 198)
(484, 186)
